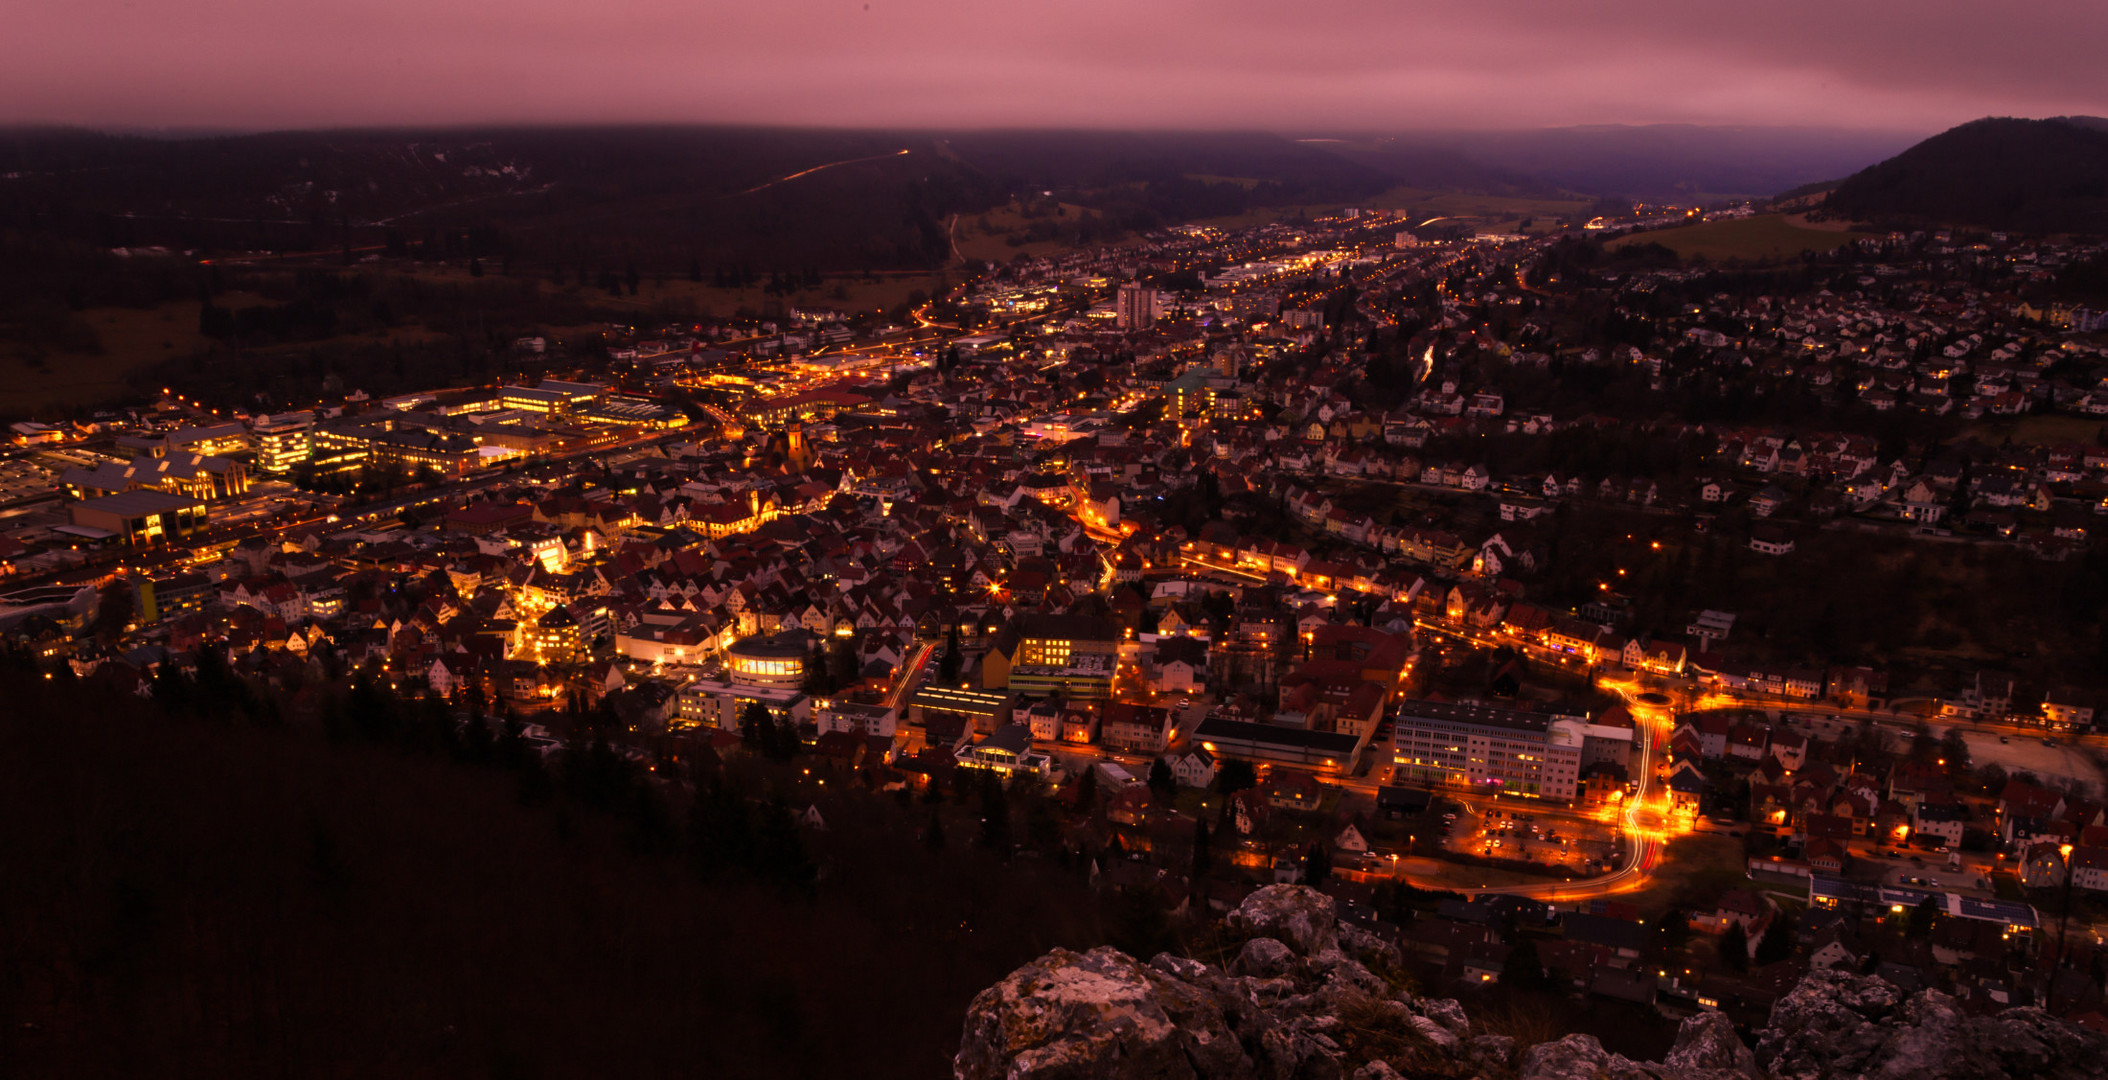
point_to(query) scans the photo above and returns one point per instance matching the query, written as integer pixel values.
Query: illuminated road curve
(910, 674)
(808, 172)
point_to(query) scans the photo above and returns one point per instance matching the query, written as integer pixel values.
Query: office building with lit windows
(551, 396)
(556, 637)
(282, 441)
(707, 703)
(1083, 675)
(213, 441)
(390, 439)
(1042, 653)
(1487, 749)
(799, 408)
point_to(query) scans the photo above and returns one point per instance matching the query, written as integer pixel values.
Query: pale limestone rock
(1301, 918)
(1265, 958)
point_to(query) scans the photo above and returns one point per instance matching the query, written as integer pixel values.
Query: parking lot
(1528, 835)
(1932, 871)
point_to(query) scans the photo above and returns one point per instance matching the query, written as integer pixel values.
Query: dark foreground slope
(2023, 175)
(201, 898)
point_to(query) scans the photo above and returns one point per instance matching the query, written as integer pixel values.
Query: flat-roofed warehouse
(1280, 744)
(980, 710)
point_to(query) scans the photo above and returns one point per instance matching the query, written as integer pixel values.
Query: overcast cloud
(1305, 64)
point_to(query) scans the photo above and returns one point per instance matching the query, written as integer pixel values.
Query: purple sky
(1284, 64)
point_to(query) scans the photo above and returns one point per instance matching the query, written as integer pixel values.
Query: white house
(1350, 839)
(1195, 769)
(1179, 665)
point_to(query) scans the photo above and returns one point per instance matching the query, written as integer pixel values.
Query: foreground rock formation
(1838, 1025)
(1309, 998)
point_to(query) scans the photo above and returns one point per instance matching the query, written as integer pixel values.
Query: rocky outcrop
(1706, 1049)
(1706, 1044)
(1836, 1026)
(1305, 920)
(1097, 1014)
(1307, 997)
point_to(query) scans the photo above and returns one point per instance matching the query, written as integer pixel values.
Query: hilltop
(1997, 173)
(1679, 163)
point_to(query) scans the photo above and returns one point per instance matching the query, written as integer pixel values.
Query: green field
(1697, 864)
(128, 340)
(1751, 239)
(987, 235)
(2044, 428)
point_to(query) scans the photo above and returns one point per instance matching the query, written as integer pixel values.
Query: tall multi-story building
(1487, 749)
(555, 637)
(282, 441)
(1190, 394)
(1136, 306)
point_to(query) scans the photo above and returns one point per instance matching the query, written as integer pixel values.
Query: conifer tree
(1734, 946)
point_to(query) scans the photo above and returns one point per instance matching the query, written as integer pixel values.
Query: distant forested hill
(2023, 175)
(663, 200)
(656, 197)
(1676, 162)
(660, 198)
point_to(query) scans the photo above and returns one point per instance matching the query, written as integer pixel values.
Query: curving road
(910, 675)
(764, 186)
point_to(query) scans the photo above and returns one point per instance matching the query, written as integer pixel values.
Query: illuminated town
(1579, 619)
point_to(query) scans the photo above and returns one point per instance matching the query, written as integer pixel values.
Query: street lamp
(2049, 998)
